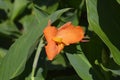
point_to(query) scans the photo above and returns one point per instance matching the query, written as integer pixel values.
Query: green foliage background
(21, 40)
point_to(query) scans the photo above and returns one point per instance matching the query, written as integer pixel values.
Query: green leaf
(93, 51)
(14, 62)
(20, 50)
(59, 61)
(2, 5)
(118, 1)
(57, 14)
(29, 21)
(79, 63)
(48, 6)
(104, 24)
(5, 5)
(8, 28)
(115, 71)
(18, 8)
(2, 53)
(71, 17)
(69, 77)
(39, 75)
(52, 8)
(35, 78)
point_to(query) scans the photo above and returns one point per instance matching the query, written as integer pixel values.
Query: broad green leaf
(48, 6)
(71, 17)
(39, 75)
(26, 21)
(35, 78)
(57, 14)
(2, 5)
(75, 4)
(20, 50)
(5, 5)
(79, 63)
(14, 62)
(104, 24)
(58, 63)
(118, 1)
(39, 78)
(18, 8)
(52, 8)
(117, 71)
(8, 28)
(29, 21)
(69, 77)
(2, 53)
(93, 51)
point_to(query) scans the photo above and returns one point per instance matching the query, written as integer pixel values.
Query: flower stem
(36, 58)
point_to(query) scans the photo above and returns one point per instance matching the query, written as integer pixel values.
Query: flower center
(59, 43)
(57, 39)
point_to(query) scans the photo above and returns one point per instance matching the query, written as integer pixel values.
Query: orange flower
(63, 36)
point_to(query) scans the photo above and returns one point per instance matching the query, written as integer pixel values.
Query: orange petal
(51, 50)
(68, 24)
(60, 47)
(70, 34)
(50, 32)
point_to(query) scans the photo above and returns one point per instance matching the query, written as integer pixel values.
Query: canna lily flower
(63, 36)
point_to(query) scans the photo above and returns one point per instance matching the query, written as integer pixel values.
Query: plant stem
(36, 58)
